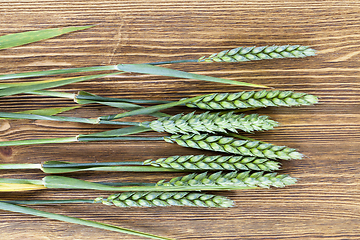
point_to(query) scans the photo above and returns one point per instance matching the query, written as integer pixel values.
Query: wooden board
(325, 202)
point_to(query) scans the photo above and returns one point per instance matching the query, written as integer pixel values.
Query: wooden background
(325, 202)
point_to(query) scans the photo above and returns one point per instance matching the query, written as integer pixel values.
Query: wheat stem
(25, 210)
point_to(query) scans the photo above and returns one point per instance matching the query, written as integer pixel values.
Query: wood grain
(325, 202)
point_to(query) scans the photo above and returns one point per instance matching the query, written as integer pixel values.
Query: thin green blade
(6, 166)
(47, 117)
(15, 185)
(72, 183)
(117, 132)
(155, 70)
(55, 72)
(19, 39)
(42, 112)
(117, 103)
(39, 85)
(64, 218)
(49, 111)
(38, 141)
(21, 181)
(149, 110)
(82, 95)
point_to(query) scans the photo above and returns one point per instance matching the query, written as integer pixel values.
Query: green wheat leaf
(118, 132)
(19, 39)
(39, 85)
(149, 110)
(49, 111)
(155, 70)
(26, 210)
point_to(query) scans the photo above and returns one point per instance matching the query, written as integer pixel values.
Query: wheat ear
(211, 122)
(232, 180)
(202, 162)
(164, 199)
(234, 146)
(253, 99)
(243, 54)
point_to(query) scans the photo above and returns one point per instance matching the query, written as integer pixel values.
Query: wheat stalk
(202, 162)
(243, 54)
(234, 146)
(253, 99)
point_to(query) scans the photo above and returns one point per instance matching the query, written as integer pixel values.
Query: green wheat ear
(253, 99)
(202, 162)
(211, 122)
(232, 179)
(165, 199)
(234, 146)
(243, 54)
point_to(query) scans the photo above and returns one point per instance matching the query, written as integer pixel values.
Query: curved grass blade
(117, 132)
(49, 111)
(155, 70)
(19, 39)
(102, 136)
(88, 98)
(39, 141)
(82, 96)
(17, 187)
(64, 218)
(47, 117)
(148, 110)
(124, 105)
(43, 112)
(39, 85)
(53, 94)
(12, 185)
(56, 72)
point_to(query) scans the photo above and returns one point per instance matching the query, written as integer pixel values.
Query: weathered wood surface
(324, 203)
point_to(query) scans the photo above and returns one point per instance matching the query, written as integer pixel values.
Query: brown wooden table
(325, 202)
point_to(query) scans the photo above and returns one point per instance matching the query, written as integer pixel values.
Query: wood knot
(4, 125)
(6, 151)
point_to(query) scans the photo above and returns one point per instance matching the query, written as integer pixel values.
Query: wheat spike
(232, 179)
(253, 99)
(202, 162)
(164, 199)
(211, 122)
(243, 54)
(234, 146)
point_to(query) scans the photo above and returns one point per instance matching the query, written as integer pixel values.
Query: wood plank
(325, 202)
